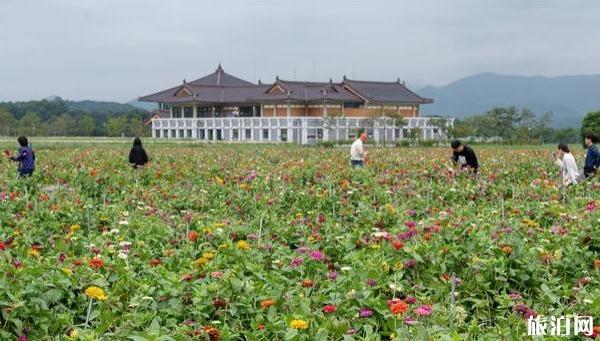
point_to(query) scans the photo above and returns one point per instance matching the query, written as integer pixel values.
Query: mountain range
(569, 98)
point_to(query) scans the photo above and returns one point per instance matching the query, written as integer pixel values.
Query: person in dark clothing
(25, 157)
(592, 159)
(465, 156)
(137, 156)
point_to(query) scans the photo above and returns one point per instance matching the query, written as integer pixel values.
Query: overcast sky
(121, 49)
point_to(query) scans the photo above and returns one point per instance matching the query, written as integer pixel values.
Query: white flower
(114, 231)
(123, 222)
(395, 287)
(345, 268)
(148, 298)
(122, 255)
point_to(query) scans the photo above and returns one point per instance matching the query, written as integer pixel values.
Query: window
(176, 112)
(283, 134)
(188, 133)
(219, 135)
(165, 133)
(202, 134)
(236, 134)
(265, 134)
(173, 133)
(157, 134)
(320, 134)
(248, 133)
(210, 134)
(188, 112)
(180, 133)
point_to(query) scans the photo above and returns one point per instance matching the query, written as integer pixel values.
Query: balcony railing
(302, 130)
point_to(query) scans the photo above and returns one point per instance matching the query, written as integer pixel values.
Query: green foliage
(64, 118)
(591, 123)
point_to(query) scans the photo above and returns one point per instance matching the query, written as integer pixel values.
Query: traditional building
(220, 106)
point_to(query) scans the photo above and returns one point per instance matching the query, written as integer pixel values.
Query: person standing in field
(25, 158)
(137, 156)
(465, 157)
(592, 160)
(357, 152)
(567, 165)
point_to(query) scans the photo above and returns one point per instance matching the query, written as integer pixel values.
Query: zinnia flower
(365, 312)
(242, 245)
(398, 307)
(330, 308)
(299, 324)
(296, 262)
(332, 275)
(423, 310)
(397, 245)
(267, 303)
(95, 292)
(192, 236)
(317, 255)
(96, 263)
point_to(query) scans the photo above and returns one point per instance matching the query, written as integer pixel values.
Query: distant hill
(568, 97)
(143, 105)
(100, 107)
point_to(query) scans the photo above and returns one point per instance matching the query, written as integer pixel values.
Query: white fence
(301, 130)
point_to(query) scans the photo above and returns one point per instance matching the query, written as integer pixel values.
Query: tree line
(62, 118)
(511, 125)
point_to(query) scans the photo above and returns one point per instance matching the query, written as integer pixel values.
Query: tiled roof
(386, 92)
(222, 88)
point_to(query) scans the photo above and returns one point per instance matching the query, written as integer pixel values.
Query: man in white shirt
(357, 153)
(568, 166)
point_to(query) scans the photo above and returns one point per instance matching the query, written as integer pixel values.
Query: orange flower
(267, 303)
(597, 263)
(427, 236)
(398, 307)
(96, 263)
(307, 283)
(506, 249)
(192, 236)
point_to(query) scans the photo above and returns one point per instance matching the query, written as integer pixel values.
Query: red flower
(2, 246)
(96, 263)
(398, 306)
(397, 245)
(330, 308)
(307, 283)
(192, 236)
(155, 262)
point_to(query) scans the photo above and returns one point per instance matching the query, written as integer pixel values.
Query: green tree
(441, 124)
(87, 124)
(31, 125)
(8, 123)
(115, 126)
(136, 127)
(63, 125)
(590, 123)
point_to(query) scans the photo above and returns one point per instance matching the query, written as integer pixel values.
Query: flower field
(290, 243)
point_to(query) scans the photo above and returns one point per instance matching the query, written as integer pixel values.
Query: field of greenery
(216, 242)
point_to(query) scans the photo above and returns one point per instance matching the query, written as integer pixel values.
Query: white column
(153, 131)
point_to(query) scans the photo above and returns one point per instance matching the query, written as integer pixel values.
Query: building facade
(221, 107)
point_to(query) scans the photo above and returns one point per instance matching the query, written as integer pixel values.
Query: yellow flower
(67, 271)
(208, 255)
(299, 324)
(95, 292)
(222, 247)
(242, 245)
(207, 230)
(201, 261)
(399, 266)
(374, 246)
(385, 266)
(33, 253)
(73, 333)
(75, 228)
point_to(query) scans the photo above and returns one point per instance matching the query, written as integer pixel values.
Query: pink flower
(330, 308)
(591, 206)
(410, 224)
(216, 274)
(410, 321)
(332, 275)
(296, 262)
(410, 300)
(514, 296)
(317, 255)
(423, 310)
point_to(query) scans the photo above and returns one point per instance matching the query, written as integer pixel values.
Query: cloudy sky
(121, 49)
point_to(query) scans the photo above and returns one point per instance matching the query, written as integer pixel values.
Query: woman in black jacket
(137, 156)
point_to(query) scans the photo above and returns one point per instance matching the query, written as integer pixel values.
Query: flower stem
(89, 311)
